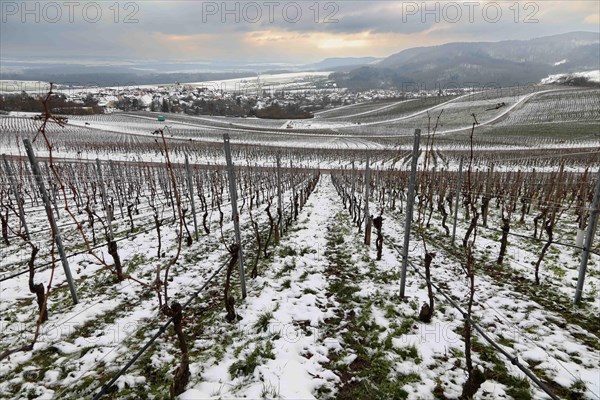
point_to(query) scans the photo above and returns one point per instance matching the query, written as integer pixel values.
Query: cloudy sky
(271, 31)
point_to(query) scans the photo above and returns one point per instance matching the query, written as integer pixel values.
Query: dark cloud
(98, 28)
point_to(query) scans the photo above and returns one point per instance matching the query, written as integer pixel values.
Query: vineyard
(570, 106)
(428, 248)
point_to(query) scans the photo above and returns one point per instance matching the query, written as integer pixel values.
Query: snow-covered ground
(17, 86)
(321, 320)
(593, 76)
(268, 82)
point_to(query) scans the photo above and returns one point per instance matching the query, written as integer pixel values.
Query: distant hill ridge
(335, 63)
(504, 63)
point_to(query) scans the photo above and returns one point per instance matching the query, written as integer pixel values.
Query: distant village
(263, 102)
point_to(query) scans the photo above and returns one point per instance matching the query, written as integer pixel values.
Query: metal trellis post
(191, 190)
(234, 211)
(456, 200)
(368, 221)
(57, 239)
(409, 209)
(589, 238)
(279, 198)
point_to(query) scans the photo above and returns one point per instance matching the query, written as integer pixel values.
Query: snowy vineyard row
(118, 211)
(491, 231)
(87, 143)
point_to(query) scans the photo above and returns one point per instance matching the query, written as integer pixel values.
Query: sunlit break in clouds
(274, 31)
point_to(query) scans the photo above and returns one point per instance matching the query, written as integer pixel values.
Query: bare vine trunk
(504, 240)
(475, 377)
(37, 289)
(271, 225)
(181, 377)
(230, 300)
(114, 252)
(427, 309)
(548, 228)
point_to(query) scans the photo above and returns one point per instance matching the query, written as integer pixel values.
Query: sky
(270, 31)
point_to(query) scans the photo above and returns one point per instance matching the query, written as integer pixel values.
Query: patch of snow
(492, 390)
(535, 354)
(592, 76)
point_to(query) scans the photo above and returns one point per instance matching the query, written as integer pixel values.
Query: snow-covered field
(13, 86)
(592, 76)
(269, 82)
(323, 317)
(321, 320)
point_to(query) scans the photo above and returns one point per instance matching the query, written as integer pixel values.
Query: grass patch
(136, 260)
(262, 323)
(246, 366)
(287, 251)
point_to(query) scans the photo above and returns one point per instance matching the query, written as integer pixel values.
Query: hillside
(502, 63)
